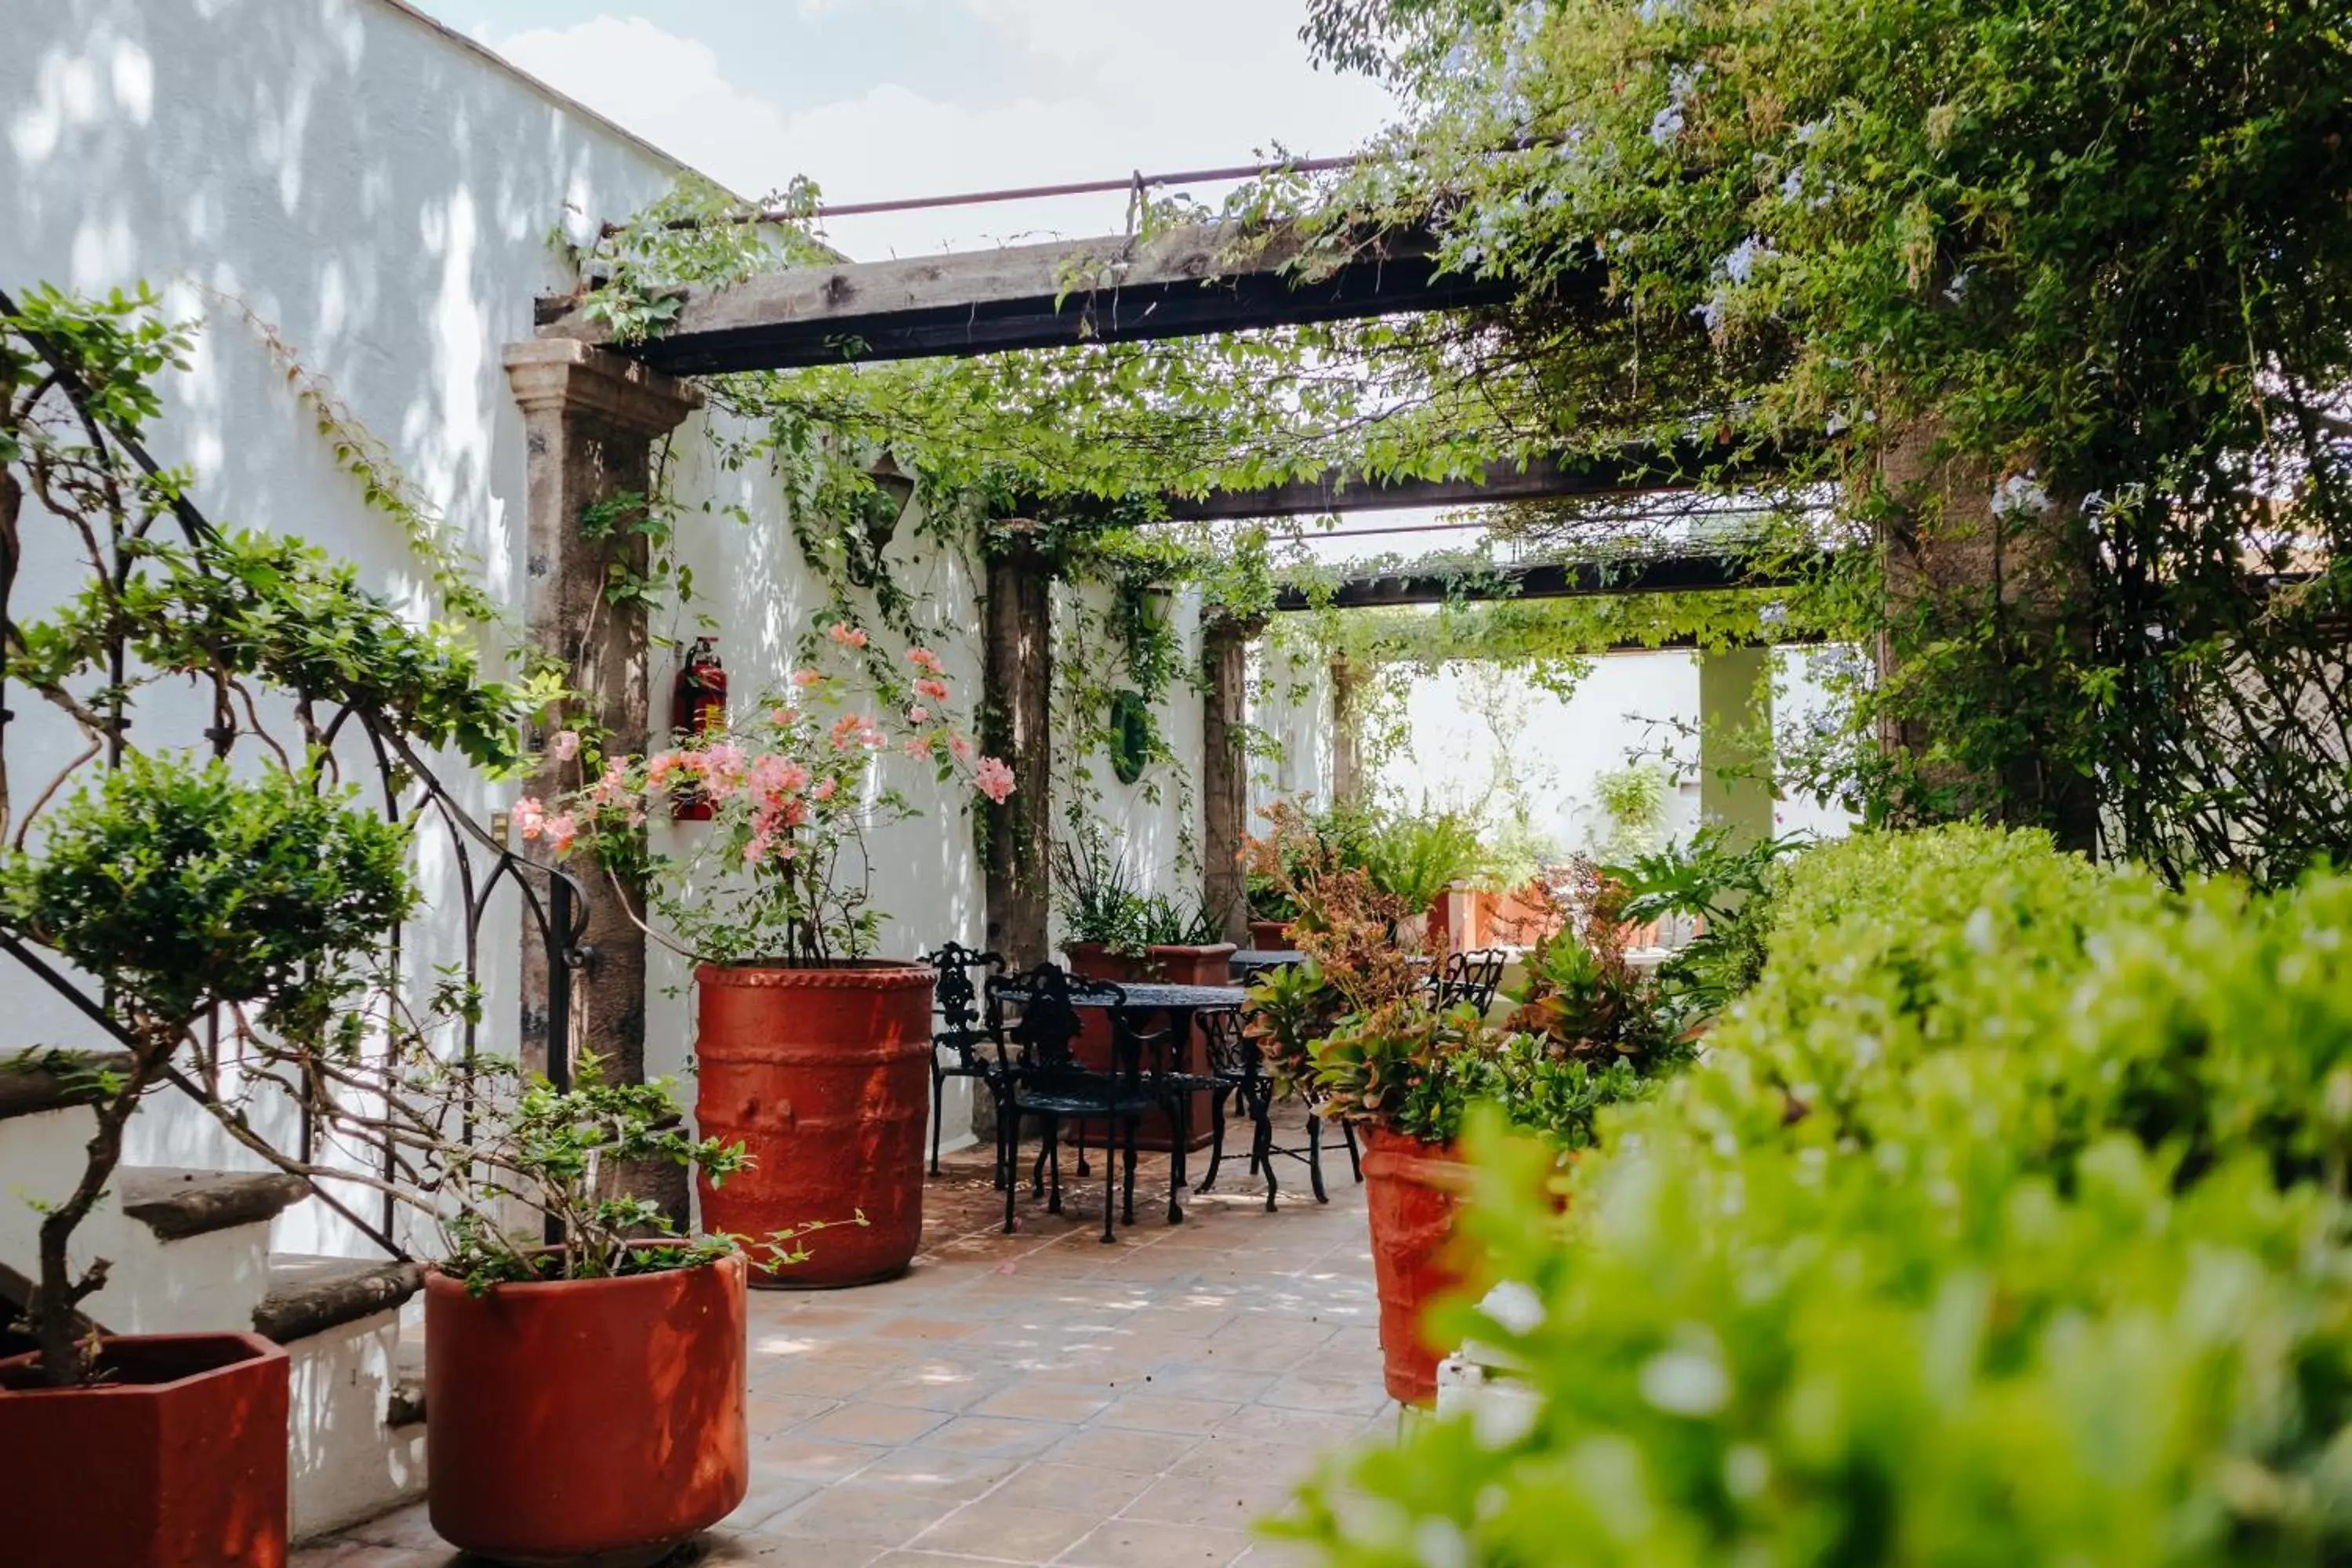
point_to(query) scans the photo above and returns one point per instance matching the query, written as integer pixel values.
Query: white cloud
(1136, 84)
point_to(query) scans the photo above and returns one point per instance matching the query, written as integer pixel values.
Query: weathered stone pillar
(1016, 724)
(1224, 772)
(1735, 754)
(591, 419)
(1347, 731)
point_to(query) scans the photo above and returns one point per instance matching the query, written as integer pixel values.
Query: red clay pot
(824, 1074)
(1270, 936)
(1166, 965)
(178, 1462)
(1411, 1191)
(586, 1417)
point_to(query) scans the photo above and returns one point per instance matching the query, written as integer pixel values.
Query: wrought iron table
(1141, 1002)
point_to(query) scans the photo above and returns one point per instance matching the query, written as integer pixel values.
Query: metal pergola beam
(1551, 580)
(1182, 282)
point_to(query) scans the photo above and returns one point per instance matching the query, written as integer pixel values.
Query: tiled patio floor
(1041, 1397)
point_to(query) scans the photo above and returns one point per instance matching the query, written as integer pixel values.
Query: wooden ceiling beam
(1182, 282)
(1551, 580)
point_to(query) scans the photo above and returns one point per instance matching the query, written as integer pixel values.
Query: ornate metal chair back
(966, 1001)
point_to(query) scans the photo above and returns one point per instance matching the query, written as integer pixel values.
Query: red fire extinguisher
(698, 707)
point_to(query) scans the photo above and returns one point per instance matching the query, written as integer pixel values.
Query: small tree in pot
(809, 1049)
(585, 1382)
(182, 891)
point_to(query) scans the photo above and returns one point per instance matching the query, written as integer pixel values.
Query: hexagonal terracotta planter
(179, 1458)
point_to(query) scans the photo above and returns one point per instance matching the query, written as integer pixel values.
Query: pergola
(595, 409)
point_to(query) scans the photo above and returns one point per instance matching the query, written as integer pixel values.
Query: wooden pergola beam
(1551, 580)
(1181, 282)
(1632, 471)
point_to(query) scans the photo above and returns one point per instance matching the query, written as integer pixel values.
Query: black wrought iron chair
(1470, 977)
(969, 1026)
(1044, 1077)
(1238, 1067)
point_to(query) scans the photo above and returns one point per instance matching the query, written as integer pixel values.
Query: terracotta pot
(1165, 965)
(179, 1459)
(586, 1417)
(1411, 1191)
(824, 1074)
(1270, 936)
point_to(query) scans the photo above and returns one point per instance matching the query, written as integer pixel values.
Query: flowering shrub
(784, 871)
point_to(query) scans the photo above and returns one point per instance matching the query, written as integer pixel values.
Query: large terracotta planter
(1411, 1191)
(1270, 936)
(586, 1417)
(179, 1461)
(824, 1074)
(1166, 965)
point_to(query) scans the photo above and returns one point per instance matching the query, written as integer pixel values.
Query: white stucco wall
(381, 191)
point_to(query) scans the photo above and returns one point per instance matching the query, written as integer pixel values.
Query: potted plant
(183, 891)
(584, 1370)
(1114, 928)
(809, 1049)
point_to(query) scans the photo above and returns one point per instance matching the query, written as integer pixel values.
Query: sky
(877, 99)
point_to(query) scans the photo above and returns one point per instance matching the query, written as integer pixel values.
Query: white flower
(1685, 1382)
(2019, 492)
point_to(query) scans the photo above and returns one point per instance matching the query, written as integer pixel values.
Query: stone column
(1734, 755)
(1224, 772)
(589, 419)
(1016, 724)
(1347, 731)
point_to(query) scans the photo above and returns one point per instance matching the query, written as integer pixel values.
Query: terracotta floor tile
(935, 1386)
(1043, 1402)
(1307, 1428)
(995, 1434)
(1004, 1530)
(884, 1426)
(796, 1457)
(793, 1377)
(1165, 1412)
(1125, 1543)
(770, 1412)
(1228, 1501)
(876, 1516)
(1049, 1484)
(944, 1472)
(1111, 1448)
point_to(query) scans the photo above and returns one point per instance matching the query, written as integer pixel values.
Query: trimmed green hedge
(2002, 1225)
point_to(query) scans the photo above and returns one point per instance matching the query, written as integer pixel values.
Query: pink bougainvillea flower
(563, 745)
(918, 746)
(609, 789)
(937, 690)
(845, 635)
(994, 779)
(806, 679)
(826, 788)
(561, 830)
(961, 747)
(785, 718)
(927, 661)
(530, 817)
(659, 767)
(919, 715)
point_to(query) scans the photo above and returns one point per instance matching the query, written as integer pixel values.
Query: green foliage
(1728, 892)
(2005, 1223)
(1103, 899)
(1418, 1071)
(1414, 858)
(559, 1151)
(2066, 288)
(181, 887)
(1631, 801)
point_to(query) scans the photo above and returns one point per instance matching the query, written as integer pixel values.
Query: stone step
(408, 1403)
(36, 1080)
(311, 1294)
(177, 1204)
